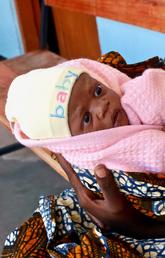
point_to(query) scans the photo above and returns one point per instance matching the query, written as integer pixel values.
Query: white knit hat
(38, 101)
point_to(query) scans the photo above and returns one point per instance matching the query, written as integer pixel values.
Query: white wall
(134, 43)
(10, 39)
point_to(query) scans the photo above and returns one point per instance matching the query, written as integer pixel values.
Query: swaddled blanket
(137, 147)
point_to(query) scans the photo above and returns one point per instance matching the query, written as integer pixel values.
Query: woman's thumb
(103, 176)
(106, 182)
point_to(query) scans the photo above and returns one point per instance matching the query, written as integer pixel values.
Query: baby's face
(94, 107)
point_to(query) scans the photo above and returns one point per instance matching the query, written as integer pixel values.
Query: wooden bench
(151, 15)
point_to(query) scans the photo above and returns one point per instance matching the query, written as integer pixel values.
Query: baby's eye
(98, 90)
(86, 118)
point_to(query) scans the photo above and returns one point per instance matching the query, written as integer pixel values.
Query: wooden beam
(83, 6)
(76, 34)
(29, 14)
(145, 13)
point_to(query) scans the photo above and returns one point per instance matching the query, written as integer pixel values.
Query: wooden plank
(145, 13)
(29, 13)
(72, 29)
(6, 77)
(50, 159)
(33, 60)
(9, 69)
(77, 34)
(82, 6)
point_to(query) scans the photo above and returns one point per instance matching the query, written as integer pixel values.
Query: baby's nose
(101, 109)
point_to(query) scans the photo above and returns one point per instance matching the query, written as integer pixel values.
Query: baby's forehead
(85, 78)
(85, 75)
(81, 89)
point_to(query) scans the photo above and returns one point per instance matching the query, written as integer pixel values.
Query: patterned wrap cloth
(61, 228)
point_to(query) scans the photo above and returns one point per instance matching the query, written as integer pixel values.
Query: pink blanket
(138, 147)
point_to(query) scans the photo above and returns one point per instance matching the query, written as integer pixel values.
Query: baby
(115, 120)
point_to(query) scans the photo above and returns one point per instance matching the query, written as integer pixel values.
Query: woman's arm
(112, 212)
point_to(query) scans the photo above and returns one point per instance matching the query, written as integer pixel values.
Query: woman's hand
(112, 211)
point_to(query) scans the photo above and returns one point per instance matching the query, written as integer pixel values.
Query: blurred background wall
(134, 43)
(10, 37)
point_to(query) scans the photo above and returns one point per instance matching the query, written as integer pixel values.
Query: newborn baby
(92, 114)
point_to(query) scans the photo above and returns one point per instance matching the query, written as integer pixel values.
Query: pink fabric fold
(137, 147)
(132, 148)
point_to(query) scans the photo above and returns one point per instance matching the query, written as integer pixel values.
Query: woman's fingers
(95, 220)
(73, 178)
(81, 190)
(87, 199)
(65, 164)
(109, 188)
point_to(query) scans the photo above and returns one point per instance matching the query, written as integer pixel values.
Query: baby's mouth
(115, 118)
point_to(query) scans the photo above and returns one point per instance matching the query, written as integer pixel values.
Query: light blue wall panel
(134, 43)
(10, 38)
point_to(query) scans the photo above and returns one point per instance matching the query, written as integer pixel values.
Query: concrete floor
(23, 178)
